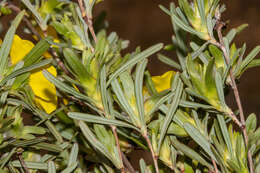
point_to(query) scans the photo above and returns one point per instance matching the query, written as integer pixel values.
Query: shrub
(90, 105)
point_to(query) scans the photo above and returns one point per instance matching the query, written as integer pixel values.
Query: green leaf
(201, 8)
(185, 27)
(65, 88)
(173, 107)
(233, 32)
(51, 167)
(225, 133)
(104, 91)
(73, 154)
(159, 102)
(198, 51)
(165, 10)
(169, 61)
(143, 166)
(7, 43)
(48, 147)
(254, 63)
(185, 5)
(199, 138)
(93, 140)
(218, 56)
(6, 159)
(42, 23)
(9, 83)
(189, 152)
(250, 57)
(251, 123)
(36, 52)
(210, 25)
(124, 103)
(137, 58)
(99, 120)
(139, 89)
(28, 142)
(70, 168)
(219, 85)
(76, 65)
(25, 70)
(31, 165)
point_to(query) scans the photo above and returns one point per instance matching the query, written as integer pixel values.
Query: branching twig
(155, 158)
(232, 82)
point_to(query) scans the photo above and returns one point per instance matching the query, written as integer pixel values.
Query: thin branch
(59, 62)
(118, 147)
(87, 19)
(155, 158)
(215, 166)
(232, 82)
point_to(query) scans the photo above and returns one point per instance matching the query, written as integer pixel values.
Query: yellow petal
(163, 82)
(19, 49)
(44, 91)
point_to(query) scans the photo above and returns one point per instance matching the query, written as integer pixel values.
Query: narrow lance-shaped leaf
(65, 87)
(76, 65)
(70, 168)
(169, 61)
(139, 90)
(51, 167)
(173, 107)
(73, 154)
(189, 152)
(37, 51)
(250, 57)
(7, 43)
(94, 142)
(123, 101)
(31, 165)
(39, 18)
(146, 53)
(100, 120)
(103, 89)
(196, 135)
(225, 133)
(25, 70)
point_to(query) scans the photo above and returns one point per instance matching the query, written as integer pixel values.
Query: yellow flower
(163, 82)
(44, 91)
(19, 49)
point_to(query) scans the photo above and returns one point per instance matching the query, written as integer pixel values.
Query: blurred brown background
(144, 24)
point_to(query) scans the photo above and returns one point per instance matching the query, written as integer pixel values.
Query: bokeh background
(144, 24)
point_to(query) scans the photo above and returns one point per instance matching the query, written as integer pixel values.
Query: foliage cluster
(90, 105)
